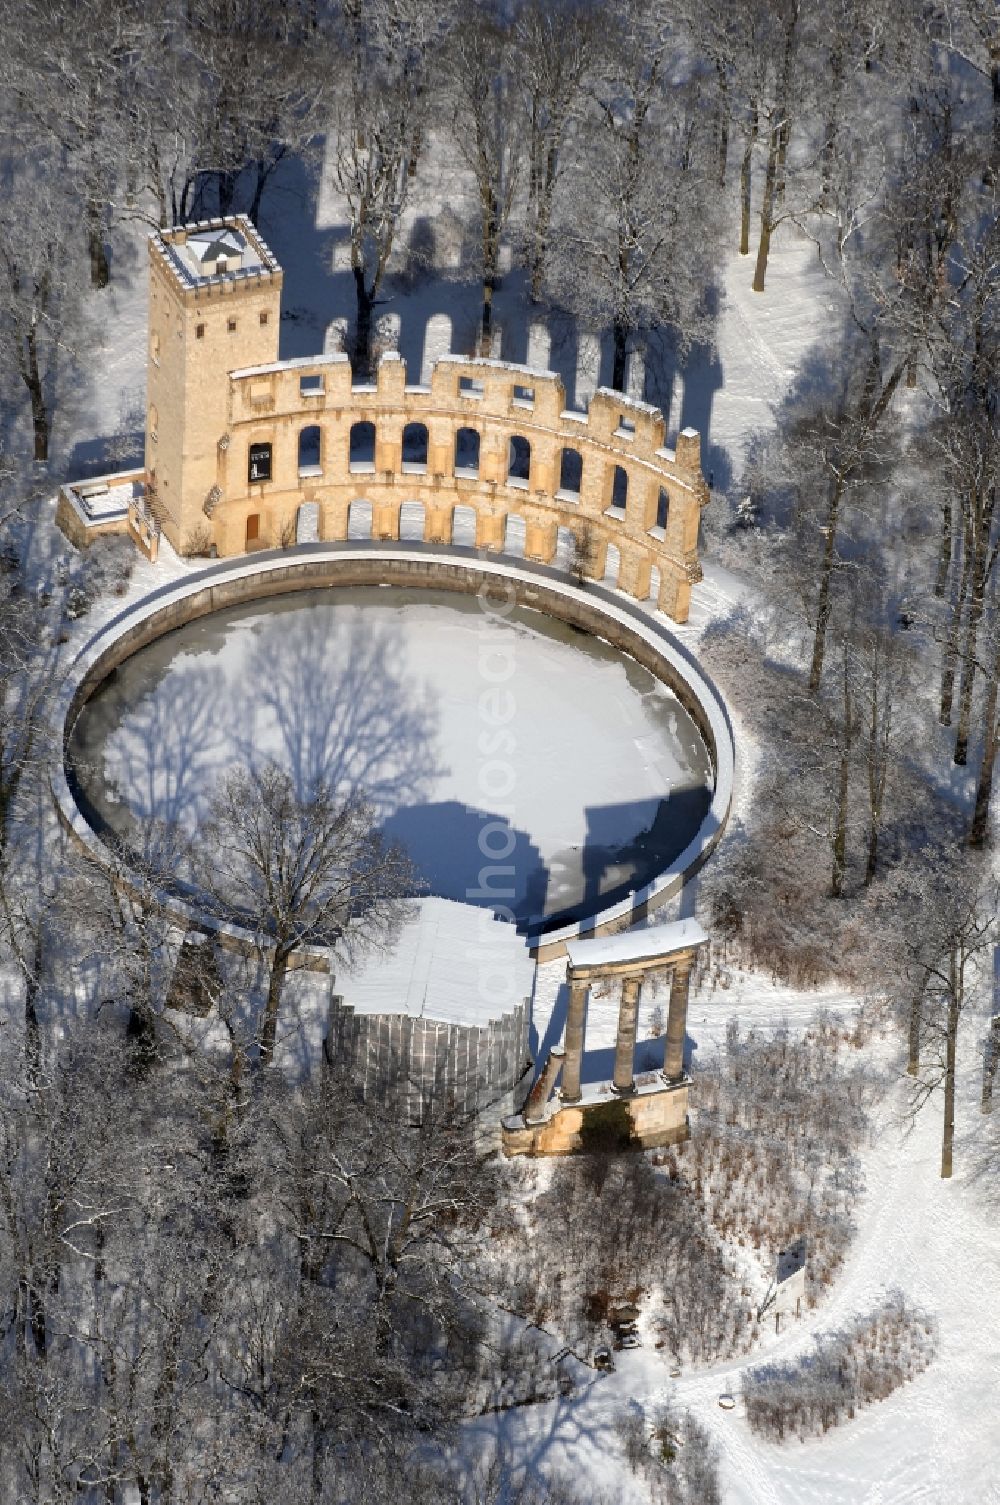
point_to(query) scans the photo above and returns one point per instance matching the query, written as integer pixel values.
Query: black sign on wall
(260, 463)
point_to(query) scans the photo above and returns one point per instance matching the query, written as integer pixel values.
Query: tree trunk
(486, 332)
(824, 605)
(619, 367)
(944, 550)
(779, 181)
(32, 1032)
(876, 788)
(275, 984)
(100, 271)
(991, 1059)
(950, 658)
(723, 156)
(767, 211)
(363, 330)
(913, 1042)
(995, 78)
(543, 226)
(416, 144)
(969, 655)
(39, 1332)
(843, 789)
(745, 172)
(316, 1461)
(491, 263)
(980, 827)
(261, 175)
(226, 187)
(33, 381)
(951, 1045)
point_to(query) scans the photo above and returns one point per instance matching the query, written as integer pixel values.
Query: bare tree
(226, 93)
(39, 285)
(964, 442)
(76, 89)
(380, 112)
(557, 44)
(882, 668)
(970, 30)
(489, 128)
(639, 257)
(300, 869)
(957, 933)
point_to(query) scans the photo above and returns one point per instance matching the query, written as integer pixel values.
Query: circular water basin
(526, 765)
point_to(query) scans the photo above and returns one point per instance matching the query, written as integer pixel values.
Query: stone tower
(214, 306)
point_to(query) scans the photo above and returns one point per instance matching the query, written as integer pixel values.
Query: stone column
(625, 1044)
(673, 1065)
(575, 1024)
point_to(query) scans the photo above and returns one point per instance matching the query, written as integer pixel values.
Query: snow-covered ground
(938, 1438)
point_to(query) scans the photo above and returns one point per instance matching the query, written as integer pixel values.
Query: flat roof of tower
(453, 962)
(209, 253)
(214, 251)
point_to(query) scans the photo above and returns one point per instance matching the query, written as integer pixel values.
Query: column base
(628, 1091)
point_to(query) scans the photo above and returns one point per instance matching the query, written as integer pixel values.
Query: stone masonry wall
(628, 494)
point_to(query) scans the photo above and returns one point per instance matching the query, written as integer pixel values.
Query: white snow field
(512, 743)
(937, 1440)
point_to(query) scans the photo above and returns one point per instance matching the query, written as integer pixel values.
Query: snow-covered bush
(198, 543)
(880, 1351)
(611, 1231)
(104, 569)
(773, 1152)
(672, 1453)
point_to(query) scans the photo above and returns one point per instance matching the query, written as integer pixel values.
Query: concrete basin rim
(294, 570)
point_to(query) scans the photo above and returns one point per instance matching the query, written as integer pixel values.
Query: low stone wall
(595, 610)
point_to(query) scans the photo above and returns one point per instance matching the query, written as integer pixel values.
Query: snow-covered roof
(213, 250)
(212, 253)
(103, 499)
(452, 962)
(209, 245)
(299, 362)
(636, 945)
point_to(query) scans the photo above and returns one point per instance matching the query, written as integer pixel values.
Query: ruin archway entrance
(307, 523)
(359, 520)
(412, 518)
(463, 527)
(513, 535)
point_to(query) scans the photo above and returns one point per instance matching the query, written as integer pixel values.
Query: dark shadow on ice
(151, 744)
(612, 867)
(472, 856)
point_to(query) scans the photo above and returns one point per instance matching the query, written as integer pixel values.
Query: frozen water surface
(522, 762)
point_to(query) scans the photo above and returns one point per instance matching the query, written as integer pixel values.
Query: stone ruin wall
(273, 404)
